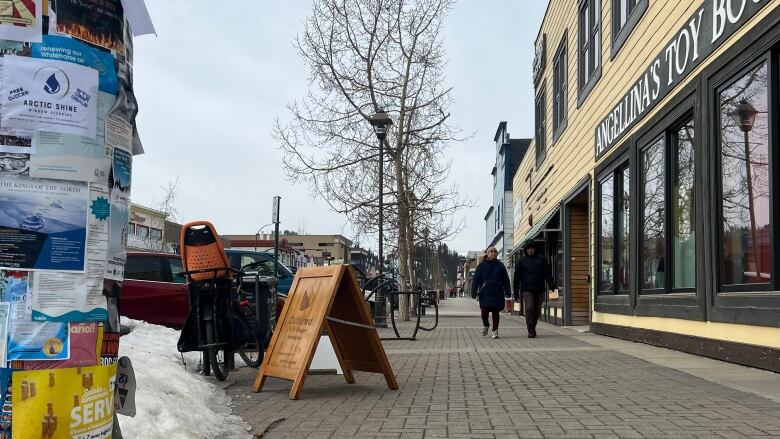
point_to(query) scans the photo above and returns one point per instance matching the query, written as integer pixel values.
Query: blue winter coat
(493, 279)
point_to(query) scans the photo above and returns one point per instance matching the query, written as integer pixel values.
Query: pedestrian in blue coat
(491, 282)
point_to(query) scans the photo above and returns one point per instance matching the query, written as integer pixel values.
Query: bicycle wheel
(252, 353)
(218, 365)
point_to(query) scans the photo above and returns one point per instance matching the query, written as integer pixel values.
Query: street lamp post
(745, 115)
(381, 122)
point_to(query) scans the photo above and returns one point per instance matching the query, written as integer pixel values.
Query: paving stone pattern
(456, 383)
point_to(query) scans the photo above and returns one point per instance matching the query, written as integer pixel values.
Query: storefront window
(606, 240)
(653, 217)
(624, 236)
(744, 148)
(683, 227)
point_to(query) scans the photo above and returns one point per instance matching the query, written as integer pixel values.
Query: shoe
(484, 331)
(531, 333)
(494, 334)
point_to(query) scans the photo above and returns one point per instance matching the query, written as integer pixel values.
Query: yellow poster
(73, 403)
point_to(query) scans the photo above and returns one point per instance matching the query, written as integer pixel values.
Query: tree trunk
(403, 247)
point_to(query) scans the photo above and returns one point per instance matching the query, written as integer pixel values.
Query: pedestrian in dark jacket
(532, 278)
(491, 282)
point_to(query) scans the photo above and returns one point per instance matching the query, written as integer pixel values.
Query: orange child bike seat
(201, 249)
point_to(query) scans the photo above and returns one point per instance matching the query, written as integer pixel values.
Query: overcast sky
(213, 81)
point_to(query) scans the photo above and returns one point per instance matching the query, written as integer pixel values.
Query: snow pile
(172, 402)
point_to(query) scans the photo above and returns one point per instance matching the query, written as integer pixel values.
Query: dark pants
(494, 311)
(532, 304)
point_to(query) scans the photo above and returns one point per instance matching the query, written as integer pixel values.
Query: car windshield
(266, 266)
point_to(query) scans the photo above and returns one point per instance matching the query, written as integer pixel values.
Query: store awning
(540, 226)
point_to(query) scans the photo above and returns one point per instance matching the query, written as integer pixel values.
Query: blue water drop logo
(52, 86)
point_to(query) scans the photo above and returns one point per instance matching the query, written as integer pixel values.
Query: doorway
(577, 259)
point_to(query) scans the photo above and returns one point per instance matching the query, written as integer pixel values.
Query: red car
(151, 291)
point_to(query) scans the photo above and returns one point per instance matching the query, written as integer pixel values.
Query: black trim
(754, 307)
(619, 36)
(559, 126)
(540, 138)
(584, 89)
(748, 355)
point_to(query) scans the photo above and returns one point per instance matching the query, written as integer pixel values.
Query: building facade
(653, 176)
(146, 230)
(499, 221)
(299, 250)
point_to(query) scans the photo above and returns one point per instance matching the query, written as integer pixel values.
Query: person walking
(532, 272)
(491, 285)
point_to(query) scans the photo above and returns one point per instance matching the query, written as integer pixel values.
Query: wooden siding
(572, 155)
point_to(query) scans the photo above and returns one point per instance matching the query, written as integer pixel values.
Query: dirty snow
(172, 402)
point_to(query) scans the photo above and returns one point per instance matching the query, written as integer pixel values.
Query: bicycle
(248, 301)
(216, 325)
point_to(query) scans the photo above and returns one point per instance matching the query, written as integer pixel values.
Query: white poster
(5, 310)
(67, 297)
(49, 95)
(29, 340)
(17, 142)
(71, 157)
(21, 20)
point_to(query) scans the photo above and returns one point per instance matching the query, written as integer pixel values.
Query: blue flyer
(70, 50)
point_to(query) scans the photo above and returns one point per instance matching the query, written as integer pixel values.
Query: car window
(176, 268)
(266, 267)
(144, 268)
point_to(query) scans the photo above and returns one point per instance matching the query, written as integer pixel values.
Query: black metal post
(380, 318)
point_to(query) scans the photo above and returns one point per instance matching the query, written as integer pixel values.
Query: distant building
(299, 250)
(499, 223)
(146, 230)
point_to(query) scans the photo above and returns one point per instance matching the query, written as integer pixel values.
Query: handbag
(553, 294)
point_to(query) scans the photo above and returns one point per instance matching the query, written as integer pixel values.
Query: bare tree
(166, 205)
(363, 56)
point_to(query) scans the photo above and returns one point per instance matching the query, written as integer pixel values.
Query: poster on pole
(21, 20)
(17, 142)
(49, 95)
(66, 49)
(77, 297)
(85, 343)
(72, 157)
(100, 22)
(29, 340)
(64, 403)
(43, 224)
(119, 182)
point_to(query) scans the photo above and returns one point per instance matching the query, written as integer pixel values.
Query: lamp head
(744, 115)
(381, 123)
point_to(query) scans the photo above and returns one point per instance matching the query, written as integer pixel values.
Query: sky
(213, 82)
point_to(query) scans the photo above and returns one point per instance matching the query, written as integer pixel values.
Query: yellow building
(652, 177)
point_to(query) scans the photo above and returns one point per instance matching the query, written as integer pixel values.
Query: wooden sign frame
(324, 298)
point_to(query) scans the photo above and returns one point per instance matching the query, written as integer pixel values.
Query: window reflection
(653, 227)
(744, 139)
(606, 240)
(624, 244)
(683, 209)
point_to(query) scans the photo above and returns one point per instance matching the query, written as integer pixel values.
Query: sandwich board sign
(324, 298)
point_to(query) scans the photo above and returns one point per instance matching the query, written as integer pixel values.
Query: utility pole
(275, 221)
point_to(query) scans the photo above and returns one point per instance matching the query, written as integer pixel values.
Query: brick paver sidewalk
(456, 383)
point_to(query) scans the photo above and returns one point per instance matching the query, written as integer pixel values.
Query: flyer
(72, 157)
(5, 309)
(21, 20)
(64, 403)
(17, 142)
(77, 297)
(67, 49)
(100, 22)
(48, 95)
(119, 181)
(29, 340)
(85, 343)
(124, 397)
(138, 17)
(43, 224)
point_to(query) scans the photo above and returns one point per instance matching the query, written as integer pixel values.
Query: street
(564, 384)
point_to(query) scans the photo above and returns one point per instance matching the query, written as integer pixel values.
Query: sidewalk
(564, 384)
